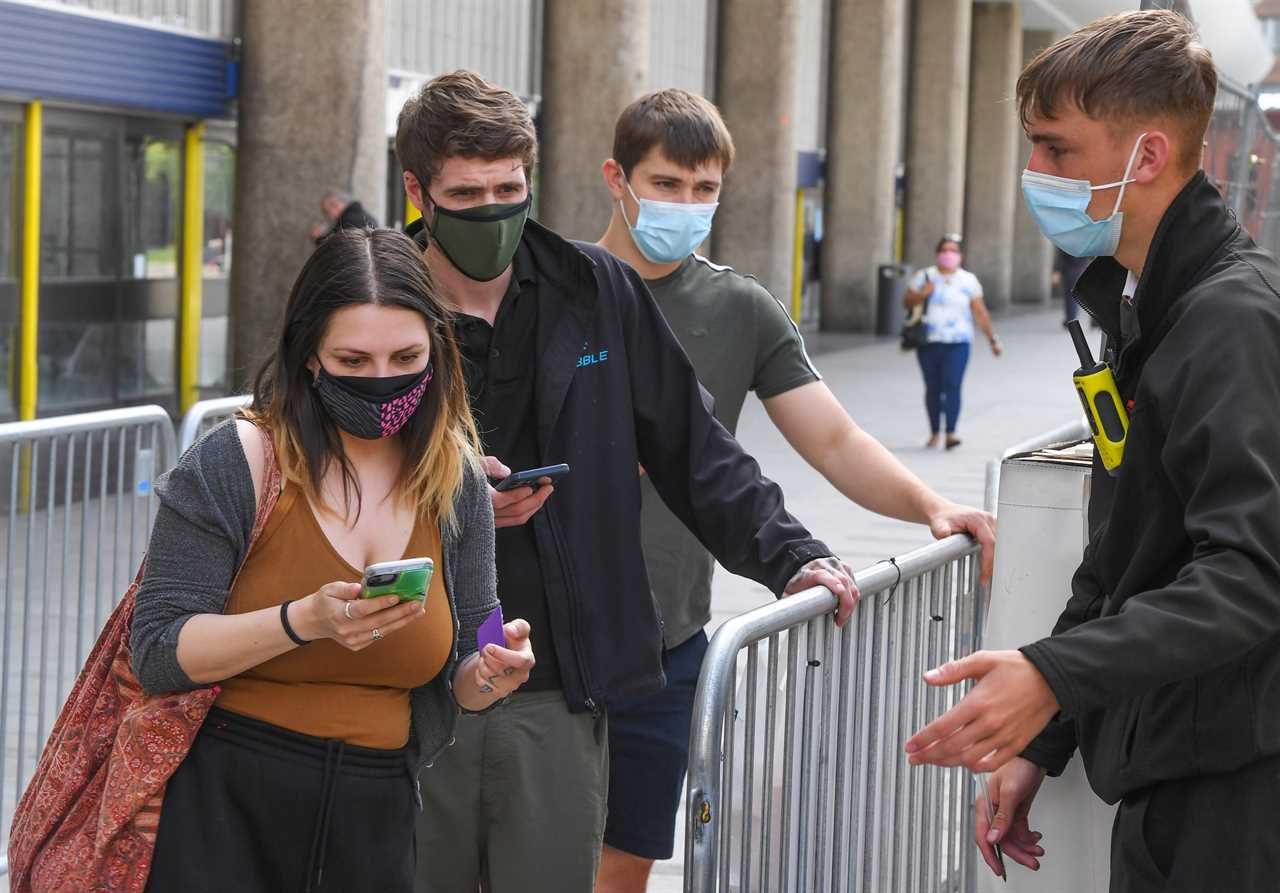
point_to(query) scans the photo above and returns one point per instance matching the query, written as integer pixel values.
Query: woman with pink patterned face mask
(359, 448)
(953, 305)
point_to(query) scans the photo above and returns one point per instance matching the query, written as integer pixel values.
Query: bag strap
(271, 486)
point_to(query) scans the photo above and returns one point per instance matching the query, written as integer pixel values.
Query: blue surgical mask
(1060, 208)
(666, 232)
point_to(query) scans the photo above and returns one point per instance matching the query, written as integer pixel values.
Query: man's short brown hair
(1128, 67)
(462, 114)
(687, 127)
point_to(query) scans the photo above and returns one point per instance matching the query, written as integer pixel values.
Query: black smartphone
(531, 477)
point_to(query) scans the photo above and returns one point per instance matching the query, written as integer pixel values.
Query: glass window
(79, 264)
(153, 192)
(10, 199)
(75, 360)
(1271, 28)
(146, 357)
(74, 237)
(10, 194)
(212, 373)
(219, 198)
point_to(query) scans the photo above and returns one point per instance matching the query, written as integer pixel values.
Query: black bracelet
(288, 630)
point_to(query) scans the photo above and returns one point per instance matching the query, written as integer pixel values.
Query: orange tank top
(323, 689)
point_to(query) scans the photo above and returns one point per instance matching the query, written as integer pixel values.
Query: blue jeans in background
(943, 366)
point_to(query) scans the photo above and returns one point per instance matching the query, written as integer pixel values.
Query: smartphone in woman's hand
(408, 579)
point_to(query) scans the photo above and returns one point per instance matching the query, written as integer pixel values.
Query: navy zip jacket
(616, 391)
(1166, 661)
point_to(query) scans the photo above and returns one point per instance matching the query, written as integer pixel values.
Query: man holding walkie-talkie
(1164, 667)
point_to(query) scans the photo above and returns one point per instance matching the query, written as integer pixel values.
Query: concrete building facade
(994, 133)
(1032, 265)
(860, 228)
(312, 125)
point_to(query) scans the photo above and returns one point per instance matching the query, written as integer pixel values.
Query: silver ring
(377, 634)
(346, 609)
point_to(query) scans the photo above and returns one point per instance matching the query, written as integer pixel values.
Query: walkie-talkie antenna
(1081, 343)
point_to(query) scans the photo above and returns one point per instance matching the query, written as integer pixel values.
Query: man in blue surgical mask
(671, 152)
(1164, 666)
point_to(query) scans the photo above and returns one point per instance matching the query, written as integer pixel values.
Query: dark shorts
(648, 756)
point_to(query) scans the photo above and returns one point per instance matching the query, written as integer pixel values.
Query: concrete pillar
(312, 117)
(1032, 252)
(595, 61)
(937, 124)
(864, 128)
(994, 132)
(754, 230)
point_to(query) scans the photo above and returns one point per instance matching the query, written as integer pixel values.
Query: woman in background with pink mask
(955, 304)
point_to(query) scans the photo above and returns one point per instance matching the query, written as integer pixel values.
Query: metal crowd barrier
(203, 416)
(1068, 433)
(78, 504)
(797, 776)
(76, 510)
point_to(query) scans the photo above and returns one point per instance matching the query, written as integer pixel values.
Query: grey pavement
(1025, 392)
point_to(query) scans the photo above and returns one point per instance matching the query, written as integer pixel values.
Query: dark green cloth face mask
(480, 241)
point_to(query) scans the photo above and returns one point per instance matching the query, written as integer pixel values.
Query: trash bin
(891, 287)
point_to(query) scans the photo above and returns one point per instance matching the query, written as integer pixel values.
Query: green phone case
(411, 586)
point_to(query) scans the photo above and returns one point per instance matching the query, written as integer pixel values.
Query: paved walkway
(1024, 392)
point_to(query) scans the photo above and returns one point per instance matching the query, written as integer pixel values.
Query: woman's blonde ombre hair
(372, 266)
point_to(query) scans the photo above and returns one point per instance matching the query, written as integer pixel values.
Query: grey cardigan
(201, 537)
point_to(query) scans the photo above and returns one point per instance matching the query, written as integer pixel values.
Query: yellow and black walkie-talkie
(1101, 401)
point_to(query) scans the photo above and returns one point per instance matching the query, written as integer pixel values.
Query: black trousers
(255, 807)
(1206, 833)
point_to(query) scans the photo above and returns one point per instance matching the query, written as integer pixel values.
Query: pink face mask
(949, 260)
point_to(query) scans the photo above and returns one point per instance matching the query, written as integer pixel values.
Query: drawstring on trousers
(333, 754)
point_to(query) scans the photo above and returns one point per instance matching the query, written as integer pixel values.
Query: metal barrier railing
(1068, 433)
(203, 416)
(78, 504)
(839, 808)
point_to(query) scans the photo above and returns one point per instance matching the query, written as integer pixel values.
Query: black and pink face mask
(372, 408)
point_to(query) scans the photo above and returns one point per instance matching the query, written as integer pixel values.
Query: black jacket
(1166, 661)
(614, 391)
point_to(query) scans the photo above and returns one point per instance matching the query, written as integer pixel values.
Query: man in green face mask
(479, 241)
(567, 358)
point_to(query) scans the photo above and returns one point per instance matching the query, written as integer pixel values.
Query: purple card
(490, 632)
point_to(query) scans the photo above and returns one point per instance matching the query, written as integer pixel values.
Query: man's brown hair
(1128, 67)
(462, 114)
(687, 127)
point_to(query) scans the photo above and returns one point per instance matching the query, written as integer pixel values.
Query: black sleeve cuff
(798, 557)
(1040, 654)
(1050, 756)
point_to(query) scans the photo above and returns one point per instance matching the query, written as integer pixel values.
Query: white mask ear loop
(622, 206)
(1125, 180)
